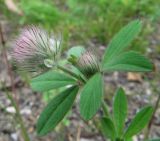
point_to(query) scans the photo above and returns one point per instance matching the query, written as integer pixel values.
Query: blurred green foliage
(86, 21)
(40, 12)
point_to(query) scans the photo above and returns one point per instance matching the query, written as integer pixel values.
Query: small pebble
(82, 139)
(26, 111)
(14, 136)
(11, 110)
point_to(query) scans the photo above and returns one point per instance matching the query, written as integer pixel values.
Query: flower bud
(88, 63)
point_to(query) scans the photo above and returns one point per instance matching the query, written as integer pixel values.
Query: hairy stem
(12, 97)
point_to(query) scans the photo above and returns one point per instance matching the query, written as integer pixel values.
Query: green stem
(98, 127)
(71, 73)
(155, 90)
(105, 109)
(23, 129)
(152, 118)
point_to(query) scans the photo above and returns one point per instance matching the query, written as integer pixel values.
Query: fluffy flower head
(35, 50)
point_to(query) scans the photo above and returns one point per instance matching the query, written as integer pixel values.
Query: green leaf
(107, 127)
(74, 54)
(51, 80)
(121, 40)
(91, 96)
(75, 51)
(130, 139)
(55, 111)
(120, 110)
(129, 61)
(139, 122)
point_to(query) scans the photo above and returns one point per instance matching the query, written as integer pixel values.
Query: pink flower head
(35, 49)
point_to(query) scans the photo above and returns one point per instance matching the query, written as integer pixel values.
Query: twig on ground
(78, 133)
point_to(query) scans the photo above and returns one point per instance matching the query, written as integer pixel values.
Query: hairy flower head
(35, 50)
(88, 63)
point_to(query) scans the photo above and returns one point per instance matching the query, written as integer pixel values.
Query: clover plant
(83, 74)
